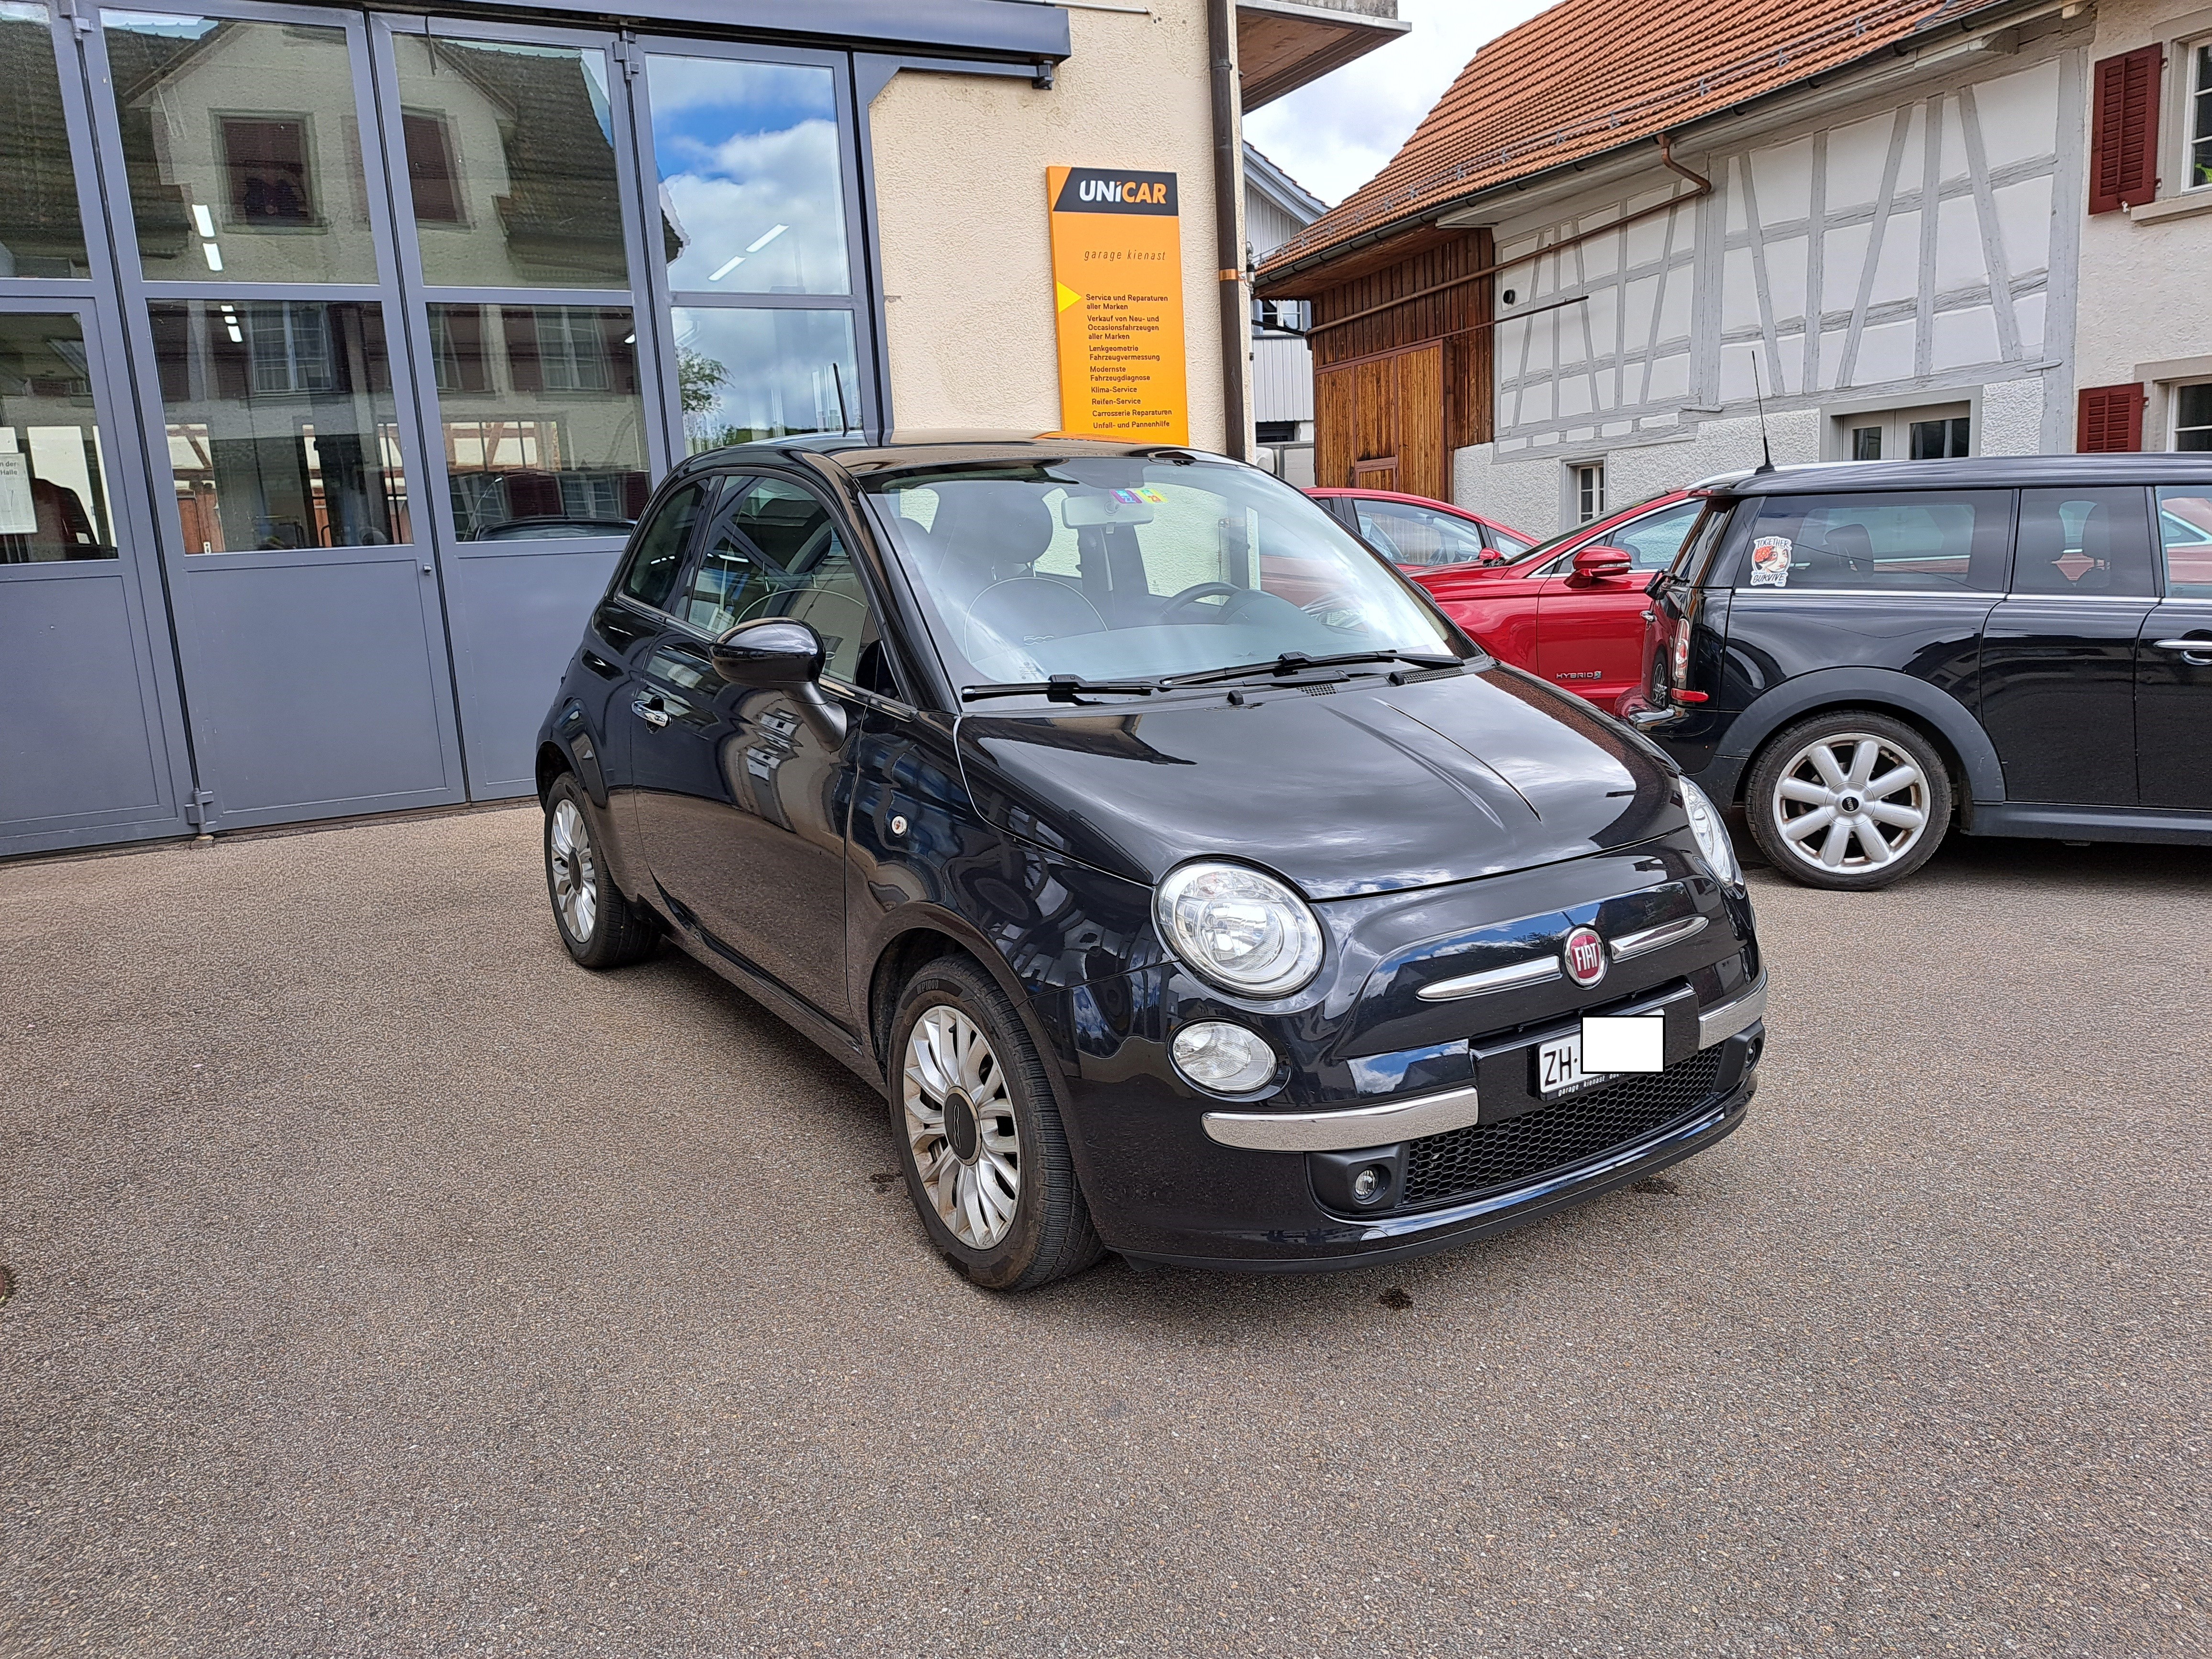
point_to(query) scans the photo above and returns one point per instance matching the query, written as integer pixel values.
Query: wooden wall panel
(1413, 382)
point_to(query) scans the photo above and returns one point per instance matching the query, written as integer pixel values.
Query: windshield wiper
(1291, 662)
(1060, 688)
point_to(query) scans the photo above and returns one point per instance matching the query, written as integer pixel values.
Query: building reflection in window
(280, 425)
(749, 375)
(223, 185)
(543, 423)
(41, 232)
(511, 163)
(53, 492)
(750, 175)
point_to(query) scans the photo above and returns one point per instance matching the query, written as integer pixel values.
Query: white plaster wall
(2143, 280)
(967, 256)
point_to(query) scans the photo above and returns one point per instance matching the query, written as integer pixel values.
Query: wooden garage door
(1380, 423)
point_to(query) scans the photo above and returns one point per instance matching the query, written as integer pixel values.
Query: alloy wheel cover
(948, 1057)
(575, 871)
(1849, 803)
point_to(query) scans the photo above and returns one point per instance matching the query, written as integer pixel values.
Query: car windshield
(1136, 567)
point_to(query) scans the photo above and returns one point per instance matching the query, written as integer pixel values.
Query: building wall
(2144, 316)
(1909, 246)
(960, 193)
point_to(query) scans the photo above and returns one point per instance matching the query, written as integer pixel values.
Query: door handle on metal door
(651, 714)
(2193, 649)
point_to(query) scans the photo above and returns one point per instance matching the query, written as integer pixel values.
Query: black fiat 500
(1190, 888)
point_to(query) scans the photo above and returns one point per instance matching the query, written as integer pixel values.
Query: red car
(1574, 609)
(1417, 534)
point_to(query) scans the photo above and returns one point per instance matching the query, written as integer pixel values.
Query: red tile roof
(1588, 76)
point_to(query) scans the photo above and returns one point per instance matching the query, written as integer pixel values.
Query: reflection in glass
(747, 155)
(511, 159)
(281, 430)
(543, 426)
(53, 494)
(745, 375)
(40, 233)
(223, 185)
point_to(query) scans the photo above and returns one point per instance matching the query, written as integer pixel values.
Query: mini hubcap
(1850, 802)
(960, 1128)
(575, 873)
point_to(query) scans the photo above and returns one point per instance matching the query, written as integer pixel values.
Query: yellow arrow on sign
(1068, 296)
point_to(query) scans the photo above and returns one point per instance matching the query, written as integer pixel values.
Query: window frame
(2173, 391)
(2191, 54)
(1580, 490)
(889, 625)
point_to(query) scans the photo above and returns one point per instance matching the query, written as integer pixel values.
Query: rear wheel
(601, 928)
(986, 1160)
(1849, 801)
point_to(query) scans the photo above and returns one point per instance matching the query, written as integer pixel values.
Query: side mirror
(1601, 563)
(1490, 556)
(778, 653)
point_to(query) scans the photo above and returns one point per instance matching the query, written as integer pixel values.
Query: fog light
(1368, 1183)
(1227, 1059)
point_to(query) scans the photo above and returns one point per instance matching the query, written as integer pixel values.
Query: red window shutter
(2110, 420)
(2124, 131)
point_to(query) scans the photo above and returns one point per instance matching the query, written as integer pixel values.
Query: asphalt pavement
(383, 1284)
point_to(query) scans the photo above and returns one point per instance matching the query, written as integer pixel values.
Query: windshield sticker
(1143, 492)
(1770, 561)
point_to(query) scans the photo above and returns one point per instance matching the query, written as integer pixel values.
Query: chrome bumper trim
(1652, 939)
(1497, 979)
(1717, 1024)
(1347, 1128)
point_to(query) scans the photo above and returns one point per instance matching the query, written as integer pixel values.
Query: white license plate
(1560, 1067)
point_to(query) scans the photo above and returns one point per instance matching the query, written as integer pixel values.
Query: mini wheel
(986, 1160)
(1851, 801)
(599, 925)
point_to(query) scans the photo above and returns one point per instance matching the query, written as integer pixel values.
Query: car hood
(1362, 787)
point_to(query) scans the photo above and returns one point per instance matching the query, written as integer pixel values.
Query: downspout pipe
(1229, 244)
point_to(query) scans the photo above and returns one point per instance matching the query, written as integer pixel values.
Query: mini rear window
(1905, 541)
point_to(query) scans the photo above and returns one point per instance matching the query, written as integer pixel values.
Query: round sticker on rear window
(1770, 561)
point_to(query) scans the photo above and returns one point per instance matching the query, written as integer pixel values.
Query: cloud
(1335, 134)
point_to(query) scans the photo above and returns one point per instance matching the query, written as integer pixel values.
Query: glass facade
(53, 487)
(223, 182)
(41, 231)
(394, 318)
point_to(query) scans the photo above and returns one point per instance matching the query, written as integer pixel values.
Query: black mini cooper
(1189, 886)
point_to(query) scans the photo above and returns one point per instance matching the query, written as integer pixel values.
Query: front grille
(1484, 1156)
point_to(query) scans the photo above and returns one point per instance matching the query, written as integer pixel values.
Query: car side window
(2083, 541)
(773, 551)
(1653, 541)
(656, 557)
(1894, 542)
(1414, 535)
(2184, 535)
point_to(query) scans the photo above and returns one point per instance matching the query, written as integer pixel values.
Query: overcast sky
(1335, 134)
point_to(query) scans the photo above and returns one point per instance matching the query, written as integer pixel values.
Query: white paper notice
(18, 513)
(1636, 1042)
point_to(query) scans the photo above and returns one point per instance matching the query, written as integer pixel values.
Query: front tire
(1850, 802)
(601, 928)
(986, 1159)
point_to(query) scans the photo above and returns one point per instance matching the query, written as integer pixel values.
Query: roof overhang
(1281, 44)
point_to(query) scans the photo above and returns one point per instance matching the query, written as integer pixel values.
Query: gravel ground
(383, 1284)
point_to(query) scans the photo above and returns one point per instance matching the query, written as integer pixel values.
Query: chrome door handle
(2188, 647)
(650, 715)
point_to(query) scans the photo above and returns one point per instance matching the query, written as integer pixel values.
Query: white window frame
(1896, 421)
(1586, 490)
(2184, 55)
(2174, 429)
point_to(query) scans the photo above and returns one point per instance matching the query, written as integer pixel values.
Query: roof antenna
(1766, 450)
(845, 421)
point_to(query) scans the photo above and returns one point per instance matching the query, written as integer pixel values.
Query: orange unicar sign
(1117, 282)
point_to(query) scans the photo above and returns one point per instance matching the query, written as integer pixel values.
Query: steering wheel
(1192, 595)
(1339, 611)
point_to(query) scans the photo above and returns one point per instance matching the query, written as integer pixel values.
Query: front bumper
(1419, 1056)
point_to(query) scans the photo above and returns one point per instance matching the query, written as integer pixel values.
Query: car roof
(865, 458)
(1451, 508)
(1978, 471)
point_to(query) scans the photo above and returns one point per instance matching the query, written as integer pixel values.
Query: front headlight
(1239, 929)
(1707, 825)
